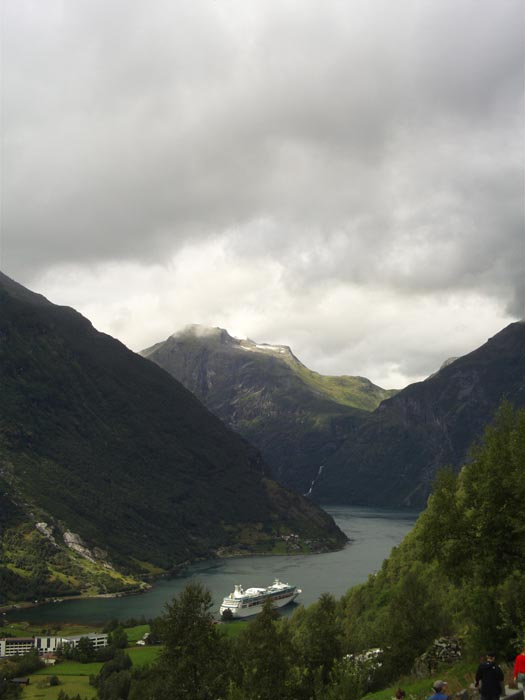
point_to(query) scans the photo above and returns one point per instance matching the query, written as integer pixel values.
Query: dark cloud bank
(374, 145)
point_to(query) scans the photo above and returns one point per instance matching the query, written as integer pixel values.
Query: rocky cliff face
(296, 417)
(393, 456)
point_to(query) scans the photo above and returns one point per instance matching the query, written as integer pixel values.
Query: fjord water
(373, 532)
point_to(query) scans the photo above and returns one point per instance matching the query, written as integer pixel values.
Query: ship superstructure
(243, 603)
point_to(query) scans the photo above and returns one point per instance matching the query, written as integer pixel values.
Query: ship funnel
(238, 590)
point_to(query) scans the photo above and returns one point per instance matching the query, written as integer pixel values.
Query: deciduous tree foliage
(317, 638)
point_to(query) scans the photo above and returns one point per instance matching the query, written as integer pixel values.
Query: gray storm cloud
(367, 142)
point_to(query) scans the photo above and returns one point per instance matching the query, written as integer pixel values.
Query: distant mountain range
(393, 456)
(296, 417)
(343, 439)
(110, 470)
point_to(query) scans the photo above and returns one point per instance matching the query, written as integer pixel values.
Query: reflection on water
(373, 532)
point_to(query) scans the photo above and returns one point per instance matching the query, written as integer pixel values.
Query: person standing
(490, 675)
(519, 668)
(439, 689)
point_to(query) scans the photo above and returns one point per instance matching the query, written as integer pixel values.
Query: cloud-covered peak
(199, 331)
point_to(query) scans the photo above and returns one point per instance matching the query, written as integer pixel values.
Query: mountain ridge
(295, 416)
(221, 335)
(395, 453)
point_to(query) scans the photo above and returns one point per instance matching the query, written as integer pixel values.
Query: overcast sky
(345, 177)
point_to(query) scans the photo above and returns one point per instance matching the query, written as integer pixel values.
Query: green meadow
(74, 676)
(71, 668)
(38, 689)
(135, 633)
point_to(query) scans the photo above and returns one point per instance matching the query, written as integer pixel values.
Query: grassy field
(74, 676)
(72, 685)
(136, 633)
(143, 655)
(140, 656)
(71, 668)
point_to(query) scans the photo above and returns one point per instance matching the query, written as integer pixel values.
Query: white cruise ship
(243, 603)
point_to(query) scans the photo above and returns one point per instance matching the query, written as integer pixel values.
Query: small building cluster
(16, 646)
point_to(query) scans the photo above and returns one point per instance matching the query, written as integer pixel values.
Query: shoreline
(27, 605)
(145, 586)
(369, 541)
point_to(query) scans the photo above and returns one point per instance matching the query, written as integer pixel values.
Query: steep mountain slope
(117, 462)
(296, 417)
(393, 457)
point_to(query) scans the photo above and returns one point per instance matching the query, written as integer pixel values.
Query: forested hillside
(462, 569)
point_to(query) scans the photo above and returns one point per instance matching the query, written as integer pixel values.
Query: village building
(97, 640)
(17, 646)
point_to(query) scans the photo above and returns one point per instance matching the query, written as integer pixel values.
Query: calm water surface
(373, 533)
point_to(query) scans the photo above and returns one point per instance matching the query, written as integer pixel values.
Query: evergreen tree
(192, 665)
(115, 686)
(118, 638)
(264, 651)
(84, 651)
(120, 662)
